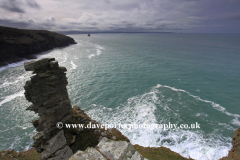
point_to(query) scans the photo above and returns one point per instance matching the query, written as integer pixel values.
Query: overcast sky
(194, 16)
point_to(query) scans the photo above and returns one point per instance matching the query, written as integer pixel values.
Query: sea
(143, 79)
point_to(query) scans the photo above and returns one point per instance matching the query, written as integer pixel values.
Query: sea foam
(11, 97)
(143, 109)
(214, 105)
(74, 66)
(12, 65)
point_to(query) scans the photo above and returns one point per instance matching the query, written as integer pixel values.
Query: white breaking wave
(143, 109)
(74, 66)
(12, 65)
(98, 51)
(11, 97)
(91, 55)
(214, 105)
(7, 83)
(236, 122)
(99, 48)
(65, 59)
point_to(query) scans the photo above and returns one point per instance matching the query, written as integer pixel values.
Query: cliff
(47, 92)
(234, 153)
(17, 44)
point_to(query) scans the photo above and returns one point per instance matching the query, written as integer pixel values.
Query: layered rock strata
(109, 150)
(48, 94)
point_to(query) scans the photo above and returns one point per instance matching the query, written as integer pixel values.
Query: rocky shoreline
(47, 92)
(19, 44)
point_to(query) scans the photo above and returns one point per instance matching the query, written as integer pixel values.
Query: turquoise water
(144, 78)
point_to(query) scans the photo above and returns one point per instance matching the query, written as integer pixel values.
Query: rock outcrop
(109, 150)
(59, 131)
(48, 94)
(234, 153)
(17, 44)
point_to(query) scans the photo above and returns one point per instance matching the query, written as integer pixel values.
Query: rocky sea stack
(17, 44)
(54, 141)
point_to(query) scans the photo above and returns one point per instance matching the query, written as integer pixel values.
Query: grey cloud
(126, 6)
(12, 6)
(126, 15)
(27, 24)
(51, 19)
(30, 21)
(14, 24)
(231, 16)
(75, 23)
(93, 24)
(33, 4)
(18, 6)
(107, 1)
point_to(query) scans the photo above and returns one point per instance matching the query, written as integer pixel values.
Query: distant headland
(19, 44)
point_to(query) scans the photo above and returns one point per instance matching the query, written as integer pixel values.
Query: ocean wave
(20, 78)
(12, 65)
(98, 50)
(11, 97)
(144, 109)
(6, 84)
(74, 66)
(91, 55)
(64, 59)
(236, 122)
(214, 105)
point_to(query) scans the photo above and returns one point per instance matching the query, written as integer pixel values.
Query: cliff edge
(17, 44)
(234, 153)
(60, 136)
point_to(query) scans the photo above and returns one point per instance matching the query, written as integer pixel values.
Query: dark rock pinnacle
(48, 94)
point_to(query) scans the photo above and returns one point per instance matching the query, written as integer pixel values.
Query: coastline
(75, 103)
(19, 44)
(36, 56)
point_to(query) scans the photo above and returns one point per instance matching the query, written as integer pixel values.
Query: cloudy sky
(194, 16)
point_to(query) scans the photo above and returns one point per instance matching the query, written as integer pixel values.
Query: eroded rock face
(89, 154)
(48, 94)
(54, 144)
(47, 91)
(17, 44)
(108, 149)
(234, 153)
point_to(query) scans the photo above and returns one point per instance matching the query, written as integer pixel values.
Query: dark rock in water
(17, 44)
